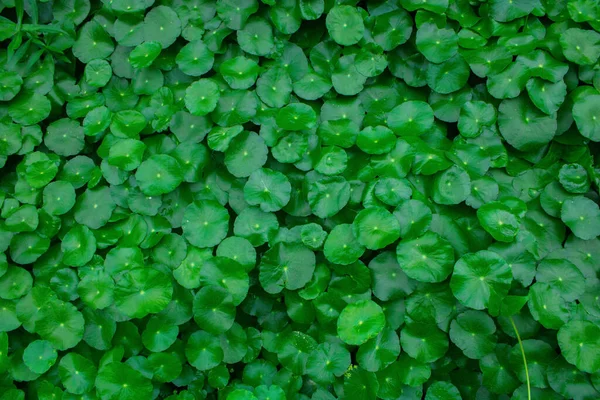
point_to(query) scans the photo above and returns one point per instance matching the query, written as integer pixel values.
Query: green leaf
(228, 274)
(442, 391)
(341, 246)
(205, 224)
(474, 115)
(25, 248)
(290, 148)
(78, 246)
(96, 290)
(195, 59)
(327, 361)
(340, 132)
(162, 25)
(585, 114)
(581, 215)
(580, 46)
(499, 221)
(505, 11)
(94, 207)
(548, 97)
(77, 373)
(497, 374)
(579, 345)
(345, 25)
(144, 54)
(346, 78)
(370, 63)
(39, 356)
(523, 126)
(362, 384)
(239, 72)
(574, 178)
(158, 174)
(214, 310)
(23, 219)
(238, 249)
(437, 45)
(389, 281)
(255, 225)
(451, 186)
(393, 191)
(311, 9)
(142, 291)
(423, 342)
(38, 174)
(274, 87)
(380, 351)
(375, 228)
(313, 236)
(294, 350)
(97, 121)
(11, 139)
(428, 258)
(10, 85)
(411, 118)
(268, 189)
(483, 190)
(202, 96)
(392, 29)
(296, 117)
(127, 124)
(126, 154)
(166, 367)
(60, 324)
(312, 86)
(256, 37)
(93, 43)
(29, 108)
(435, 6)
(375, 140)
(246, 153)
(98, 73)
(328, 196)
(547, 306)
(448, 76)
(120, 381)
(202, 351)
(360, 321)
(563, 276)
(473, 332)
(287, 266)
(481, 279)
(414, 217)
(568, 381)
(406, 371)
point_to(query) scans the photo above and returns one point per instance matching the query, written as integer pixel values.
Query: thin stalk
(524, 358)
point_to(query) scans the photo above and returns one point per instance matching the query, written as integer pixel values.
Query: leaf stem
(524, 358)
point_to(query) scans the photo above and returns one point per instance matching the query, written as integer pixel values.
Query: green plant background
(299, 199)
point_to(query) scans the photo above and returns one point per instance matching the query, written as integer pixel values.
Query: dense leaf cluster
(299, 199)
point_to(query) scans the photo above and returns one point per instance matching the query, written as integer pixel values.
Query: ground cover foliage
(299, 199)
